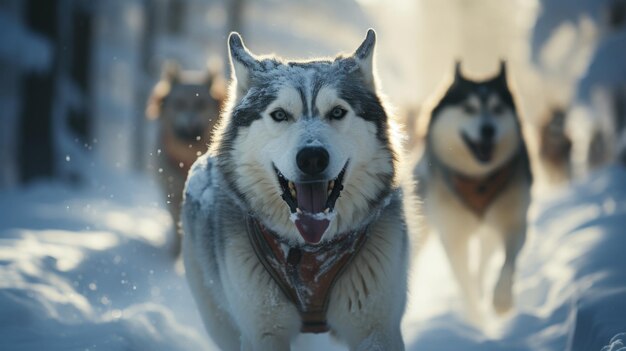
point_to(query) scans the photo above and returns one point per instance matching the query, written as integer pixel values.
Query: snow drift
(88, 269)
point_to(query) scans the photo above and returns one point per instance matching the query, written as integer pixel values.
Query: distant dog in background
(474, 177)
(186, 104)
(555, 146)
(597, 128)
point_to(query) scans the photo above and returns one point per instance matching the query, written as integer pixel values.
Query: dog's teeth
(292, 189)
(298, 210)
(331, 186)
(327, 211)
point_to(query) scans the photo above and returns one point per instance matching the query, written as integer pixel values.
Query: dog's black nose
(487, 131)
(312, 160)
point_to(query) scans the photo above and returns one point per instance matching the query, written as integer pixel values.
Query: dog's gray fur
(242, 307)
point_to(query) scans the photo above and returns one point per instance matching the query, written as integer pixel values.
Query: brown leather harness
(479, 193)
(306, 274)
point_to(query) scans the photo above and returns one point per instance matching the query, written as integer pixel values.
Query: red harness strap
(478, 194)
(306, 273)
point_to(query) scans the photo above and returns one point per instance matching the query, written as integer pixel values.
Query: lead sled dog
(474, 178)
(297, 219)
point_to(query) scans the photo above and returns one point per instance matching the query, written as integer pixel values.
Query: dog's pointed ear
(242, 61)
(502, 73)
(170, 74)
(217, 86)
(155, 101)
(458, 74)
(170, 71)
(214, 68)
(364, 57)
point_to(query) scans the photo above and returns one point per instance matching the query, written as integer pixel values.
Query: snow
(197, 184)
(605, 67)
(319, 216)
(617, 343)
(571, 290)
(556, 13)
(88, 269)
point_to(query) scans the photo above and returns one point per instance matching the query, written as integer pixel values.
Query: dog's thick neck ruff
(477, 193)
(305, 273)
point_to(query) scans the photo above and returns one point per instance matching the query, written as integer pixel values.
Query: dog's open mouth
(482, 150)
(311, 204)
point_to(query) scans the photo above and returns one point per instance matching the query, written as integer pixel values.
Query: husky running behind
(186, 105)
(474, 176)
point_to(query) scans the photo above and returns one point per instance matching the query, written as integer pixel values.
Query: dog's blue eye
(470, 109)
(338, 113)
(279, 115)
(497, 109)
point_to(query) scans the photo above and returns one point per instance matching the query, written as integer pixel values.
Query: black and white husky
(475, 177)
(297, 219)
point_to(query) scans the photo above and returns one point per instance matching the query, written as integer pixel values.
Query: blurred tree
(54, 116)
(79, 118)
(36, 148)
(235, 14)
(234, 22)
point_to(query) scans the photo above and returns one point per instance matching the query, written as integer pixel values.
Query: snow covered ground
(571, 288)
(88, 269)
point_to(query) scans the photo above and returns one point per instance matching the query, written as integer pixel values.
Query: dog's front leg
(503, 293)
(266, 319)
(456, 245)
(382, 340)
(269, 328)
(372, 322)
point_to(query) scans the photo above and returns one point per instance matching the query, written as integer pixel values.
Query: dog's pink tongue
(312, 199)
(311, 228)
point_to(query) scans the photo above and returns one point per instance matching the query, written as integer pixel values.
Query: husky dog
(555, 147)
(186, 105)
(295, 220)
(474, 176)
